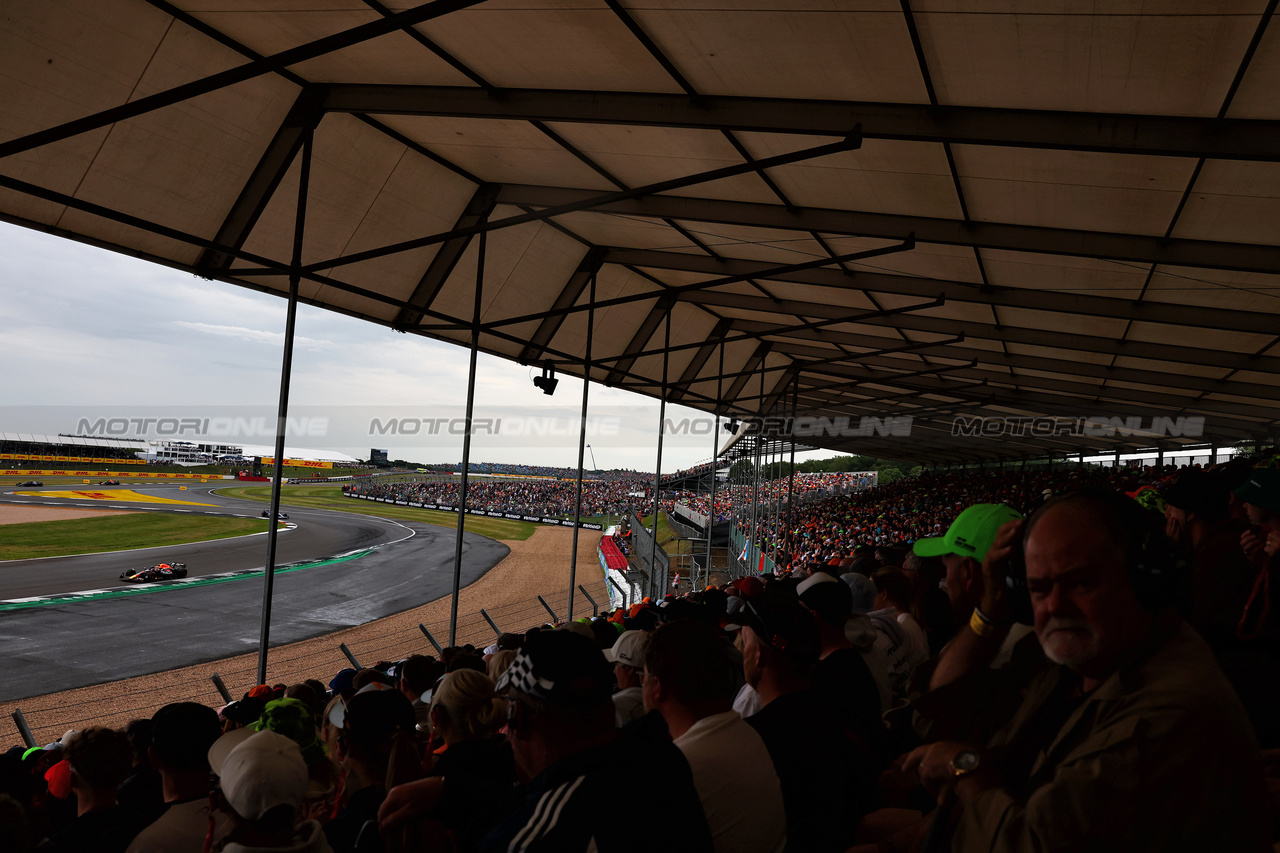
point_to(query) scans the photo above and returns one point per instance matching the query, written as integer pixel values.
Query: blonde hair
(500, 662)
(465, 703)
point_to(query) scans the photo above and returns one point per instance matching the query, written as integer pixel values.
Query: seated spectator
(466, 715)
(182, 734)
(414, 677)
(627, 656)
(824, 775)
(688, 679)
(841, 675)
(1133, 740)
(262, 780)
(99, 759)
(293, 719)
(568, 753)
(903, 640)
(376, 748)
(141, 791)
(861, 633)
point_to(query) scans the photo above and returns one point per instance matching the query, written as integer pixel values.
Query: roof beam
(446, 257)
(589, 200)
(1170, 136)
(1038, 338)
(1139, 248)
(1195, 316)
(238, 74)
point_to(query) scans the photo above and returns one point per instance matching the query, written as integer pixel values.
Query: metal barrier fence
(642, 549)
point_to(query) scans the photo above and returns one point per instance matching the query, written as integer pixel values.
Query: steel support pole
(466, 445)
(282, 409)
(582, 451)
(715, 461)
(20, 720)
(218, 685)
(656, 585)
(554, 617)
(791, 479)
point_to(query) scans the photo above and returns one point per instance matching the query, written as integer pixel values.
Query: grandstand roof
(74, 440)
(882, 207)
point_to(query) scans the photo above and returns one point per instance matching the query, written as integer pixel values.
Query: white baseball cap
(258, 771)
(629, 649)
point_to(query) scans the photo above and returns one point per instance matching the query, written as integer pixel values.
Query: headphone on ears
(1157, 566)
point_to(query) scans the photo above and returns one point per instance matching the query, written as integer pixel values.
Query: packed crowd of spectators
(528, 497)
(516, 470)
(734, 500)
(1073, 668)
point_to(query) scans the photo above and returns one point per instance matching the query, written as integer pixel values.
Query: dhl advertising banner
(23, 472)
(298, 463)
(83, 460)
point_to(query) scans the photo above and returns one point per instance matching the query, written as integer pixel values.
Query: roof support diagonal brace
(569, 295)
(640, 338)
(303, 117)
(756, 359)
(699, 360)
(446, 257)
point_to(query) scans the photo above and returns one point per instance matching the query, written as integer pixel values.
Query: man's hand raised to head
(995, 567)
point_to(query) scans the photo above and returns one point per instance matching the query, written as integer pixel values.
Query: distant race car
(109, 483)
(158, 572)
(29, 483)
(266, 513)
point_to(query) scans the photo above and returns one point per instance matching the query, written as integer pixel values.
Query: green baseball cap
(971, 534)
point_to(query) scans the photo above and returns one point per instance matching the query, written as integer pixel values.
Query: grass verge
(116, 533)
(667, 535)
(317, 496)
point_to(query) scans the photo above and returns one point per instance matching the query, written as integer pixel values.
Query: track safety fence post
(23, 729)
(221, 688)
(430, 639)
(496, 630)
(342, 647)
(595, 608)
(554, 617)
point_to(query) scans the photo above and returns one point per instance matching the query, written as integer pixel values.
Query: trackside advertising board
(513, 516)
(79, 460)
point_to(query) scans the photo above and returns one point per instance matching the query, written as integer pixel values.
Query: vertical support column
(466, 443)
(791, 476)
(656, 584)
(582, 449)
(282, 410)
(1116, 465)
(715, 462)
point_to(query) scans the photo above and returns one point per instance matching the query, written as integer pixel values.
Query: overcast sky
(88, 332)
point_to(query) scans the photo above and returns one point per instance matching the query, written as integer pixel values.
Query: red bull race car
(152, 574)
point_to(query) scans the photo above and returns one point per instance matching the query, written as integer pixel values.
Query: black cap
(781, 622)
(1199, 492)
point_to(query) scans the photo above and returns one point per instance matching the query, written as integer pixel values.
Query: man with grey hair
(1131, 739)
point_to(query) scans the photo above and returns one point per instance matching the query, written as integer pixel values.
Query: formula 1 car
(266, 513)
(108, 482)
(30, 483)
(152, 574)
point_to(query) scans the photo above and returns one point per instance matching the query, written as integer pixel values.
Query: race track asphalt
(59, 646)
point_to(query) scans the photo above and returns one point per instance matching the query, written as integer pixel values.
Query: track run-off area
(69, 621)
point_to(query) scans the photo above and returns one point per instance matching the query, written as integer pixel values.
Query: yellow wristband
(984, 628)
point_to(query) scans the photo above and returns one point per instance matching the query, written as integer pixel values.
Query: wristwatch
(965, 763)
